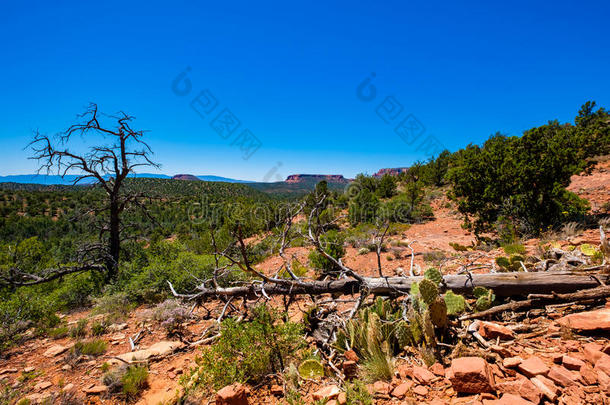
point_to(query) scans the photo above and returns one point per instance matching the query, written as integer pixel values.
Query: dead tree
(108, 165)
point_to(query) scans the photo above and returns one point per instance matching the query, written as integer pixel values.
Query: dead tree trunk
(503, 284)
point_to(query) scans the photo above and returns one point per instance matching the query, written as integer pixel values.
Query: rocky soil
(559, 354)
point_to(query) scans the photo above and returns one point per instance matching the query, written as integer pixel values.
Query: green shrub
(94, 347)
(514, 249)
(332, 243)
(115, 306)
(249, 351)
(134, 381)
(357, 394)
(99, 328)
(80, 329)
(59, 332)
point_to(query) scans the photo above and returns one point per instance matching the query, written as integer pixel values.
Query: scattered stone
(437, 369)
(420, 390)
(8, 371)
(490, 330)
(593, 352)
(401, 390)
(501, 350)
(66, 367)
(342, 398)
(522, 387)
(332, 402)
(588, 374)
(68, 387)
(604, 381)
(382, 387)
(572, 363)
(587, 321)
(55, 350)
(547, 387)
(158, 349)
(404, 371)
(328, 392)
(603, 363)
(29, 369)
(470, 375)
(41, 386)
(96, 390)
(351, 356)
(558, 358)
(276, 390)
(422, 375)
(561, 376)
(512, 399)
(533, 366)
(115, 327)
(512, 362)
(350, 368)
(234, 394)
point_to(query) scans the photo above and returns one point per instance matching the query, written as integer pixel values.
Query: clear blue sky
(289, 72)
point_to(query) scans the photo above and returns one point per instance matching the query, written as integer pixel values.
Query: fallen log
(540, 300)
(503, 284)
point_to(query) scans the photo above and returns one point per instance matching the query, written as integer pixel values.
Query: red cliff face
(395, 171)
(302, 178)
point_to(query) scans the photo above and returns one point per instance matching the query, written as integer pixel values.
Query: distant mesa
(305, 178)
(393, 171)
(189, 177)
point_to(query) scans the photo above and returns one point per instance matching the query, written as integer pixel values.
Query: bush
(332, 243)
(94, 347)
(171, 314)
(80, 329)
(59, 332)
(129, 381)
(249, 351)
(115, 306)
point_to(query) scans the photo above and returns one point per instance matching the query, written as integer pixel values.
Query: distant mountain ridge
(394, 171)
(305, 178)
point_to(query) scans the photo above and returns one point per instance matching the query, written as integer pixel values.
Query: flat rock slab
(158, 349)
(55, 350)
(588, 321)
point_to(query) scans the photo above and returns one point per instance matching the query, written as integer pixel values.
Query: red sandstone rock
(422, 375)
(603, 363)
(572, 363)
(328, 392)
(522, 387)
(234, 394)
(546, 386)
(437, 369)
(401, 390)
(561, 376)
(588, 375)
(471, 375)
(587, 321)
(490, 330)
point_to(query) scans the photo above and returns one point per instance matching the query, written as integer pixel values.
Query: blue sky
(289, 72)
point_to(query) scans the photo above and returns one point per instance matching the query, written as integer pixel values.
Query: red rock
(511, 399)
(332, 402)
(588, 375)
(561, 376)
(521, 386)
(533, 366)
(55, 350)
(512, 362)
(422, 375)
(420, 390)
(587, 321)
(351, 356)
(234, 394)
(350, 368)
(43, 385)
(604, 381)
(502, 351)
(490, 330)
(593, 352)
(405, 371)
(546, 386)
(437, 369)
(401, 390)
(276, 390)
(342, 398)
(8, 371)
(382, 387)
(96, 390)
(471, 375)
(572, 363)
(603, 363)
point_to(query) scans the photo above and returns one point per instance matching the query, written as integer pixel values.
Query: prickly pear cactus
(482, 303)
(414, 289)
(311, 369)
(438, 312)
(433, 274)
(403, 334)
(428, 329)
(587, 249)
(479, 291)
(456, 304)
(428, 291)
(415, 323)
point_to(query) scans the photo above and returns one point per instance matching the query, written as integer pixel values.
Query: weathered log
(503, 284)
(540, 300)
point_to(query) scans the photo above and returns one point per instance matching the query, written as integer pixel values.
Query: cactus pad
(434, 275)
(428, 291)
(311, 369)
(438, 312)
(456, 304)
